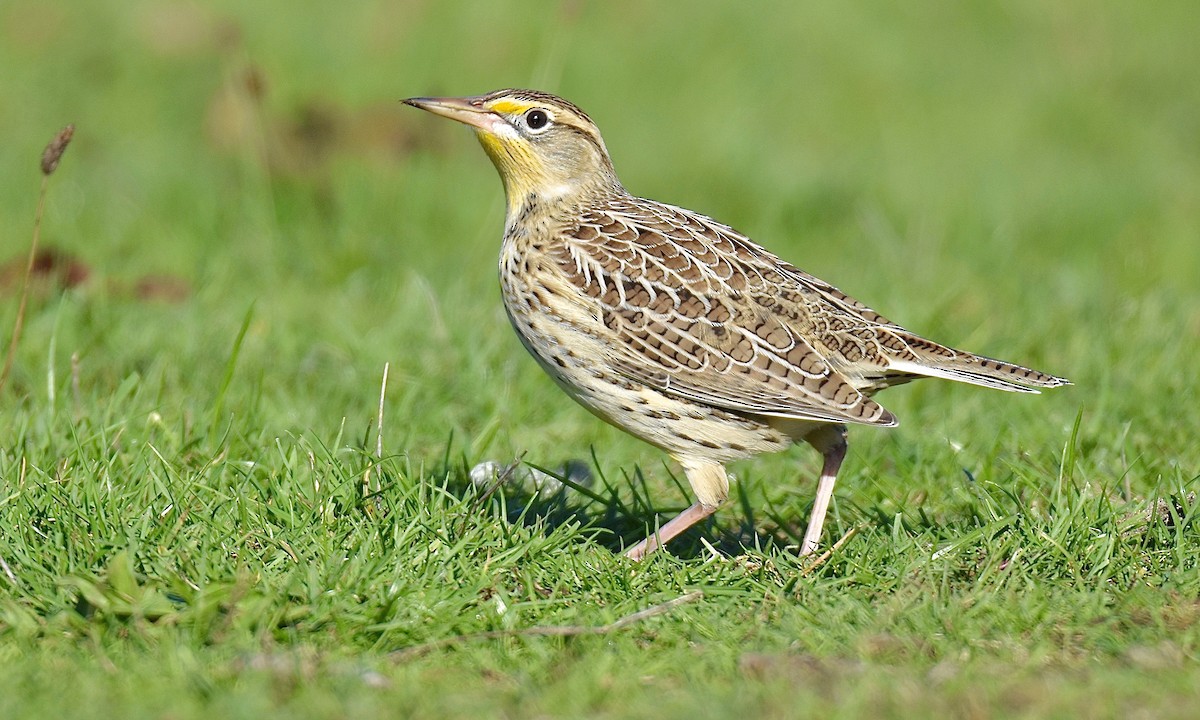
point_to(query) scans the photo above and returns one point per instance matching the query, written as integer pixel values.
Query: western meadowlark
(678, 329)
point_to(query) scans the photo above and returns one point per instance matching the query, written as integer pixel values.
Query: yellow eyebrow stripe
(510, 107)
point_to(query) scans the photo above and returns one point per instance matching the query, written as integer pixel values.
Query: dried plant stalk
(50, 159)
(54, 151)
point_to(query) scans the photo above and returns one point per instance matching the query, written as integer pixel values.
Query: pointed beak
(468, 111)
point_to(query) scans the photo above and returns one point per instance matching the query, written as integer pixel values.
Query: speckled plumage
(681, 330)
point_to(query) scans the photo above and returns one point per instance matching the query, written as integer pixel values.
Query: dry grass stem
(549, 630)
(367, 486)
(834, 548)
(50, 159)
(379, 426)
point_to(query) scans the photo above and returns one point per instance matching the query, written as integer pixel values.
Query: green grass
(185, 533)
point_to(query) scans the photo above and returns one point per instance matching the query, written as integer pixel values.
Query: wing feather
(694, 311)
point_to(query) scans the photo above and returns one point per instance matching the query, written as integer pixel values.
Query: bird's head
(541, 144)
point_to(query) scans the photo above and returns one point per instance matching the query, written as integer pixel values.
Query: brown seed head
(54, 151)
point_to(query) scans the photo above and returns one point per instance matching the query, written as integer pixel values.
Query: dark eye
(536, 119)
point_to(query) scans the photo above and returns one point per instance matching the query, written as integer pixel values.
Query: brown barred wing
(683, 313)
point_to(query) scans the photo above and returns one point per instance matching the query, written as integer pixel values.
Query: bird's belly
(568, 342)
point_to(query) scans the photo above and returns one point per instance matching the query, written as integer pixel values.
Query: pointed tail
(930, 359)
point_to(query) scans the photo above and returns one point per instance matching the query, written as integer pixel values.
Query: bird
(678, 329)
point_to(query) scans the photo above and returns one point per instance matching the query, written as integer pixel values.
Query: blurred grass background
(1018, 179)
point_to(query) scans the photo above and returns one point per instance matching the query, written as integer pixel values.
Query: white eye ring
(537, 119)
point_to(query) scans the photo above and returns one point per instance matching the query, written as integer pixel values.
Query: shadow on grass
(617, 513)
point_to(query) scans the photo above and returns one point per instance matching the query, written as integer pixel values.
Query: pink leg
(678, 524)
(834, 450)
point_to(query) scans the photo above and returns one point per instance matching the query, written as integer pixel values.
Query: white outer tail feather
(979, 377)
